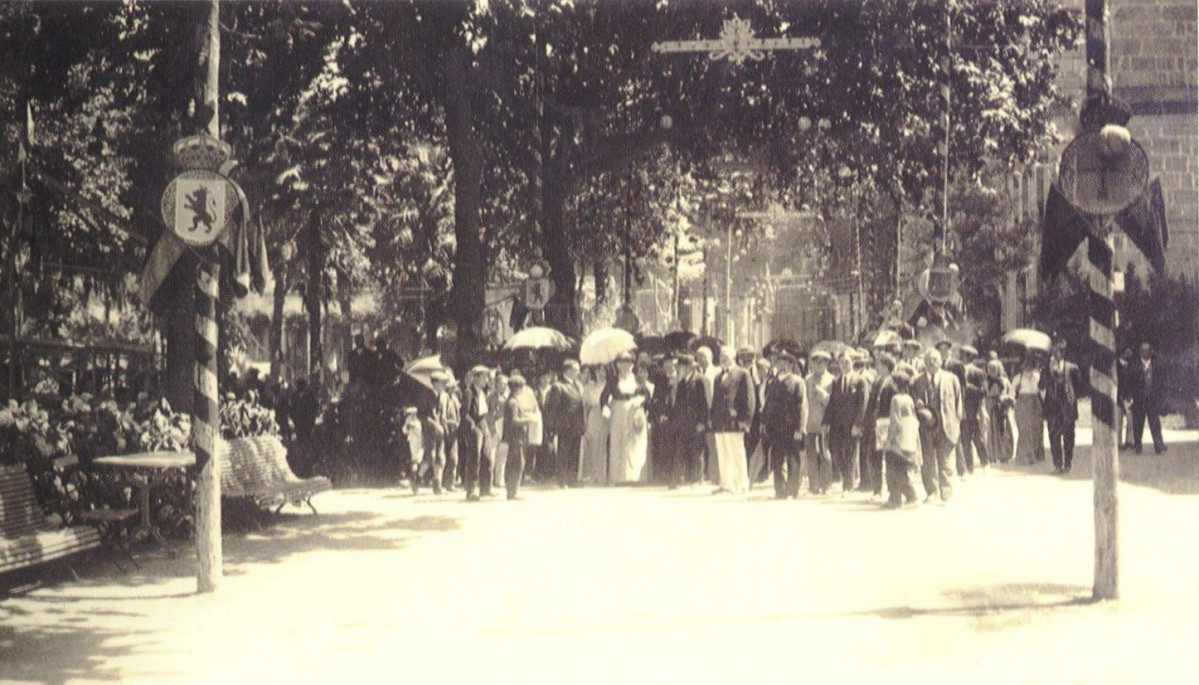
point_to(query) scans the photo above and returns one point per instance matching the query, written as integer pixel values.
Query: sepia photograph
(599, 341)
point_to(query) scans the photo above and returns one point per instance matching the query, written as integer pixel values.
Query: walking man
(844, 417)
(472, 433)
(732, 410)
(566, 421)
(664, 432)
(1146, 392)
(784, 418)
(818, 385)
(691, 417)
(1059, 384)
(938, 397)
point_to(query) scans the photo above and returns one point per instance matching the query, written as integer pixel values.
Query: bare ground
(654, 586)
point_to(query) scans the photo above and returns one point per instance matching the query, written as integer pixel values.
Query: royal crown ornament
(201, 151)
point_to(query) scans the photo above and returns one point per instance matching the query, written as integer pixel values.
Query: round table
(146, 470)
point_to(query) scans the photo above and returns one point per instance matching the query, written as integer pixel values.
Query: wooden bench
(25, 538)
(256, 468)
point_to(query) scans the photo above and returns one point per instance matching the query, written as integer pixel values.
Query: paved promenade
(622, 586)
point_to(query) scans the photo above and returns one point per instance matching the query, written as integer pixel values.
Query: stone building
(1154, 60)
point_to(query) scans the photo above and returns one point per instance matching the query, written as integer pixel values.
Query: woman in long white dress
(1030, 424)
(628, 426)
(593, 466)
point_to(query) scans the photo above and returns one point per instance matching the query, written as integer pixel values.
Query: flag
(245, 242)
(159, 263)
(25, 142)
(1145, 224)
(1063, 228)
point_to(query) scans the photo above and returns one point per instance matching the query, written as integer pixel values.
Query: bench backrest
(20, 514)
(252, 464)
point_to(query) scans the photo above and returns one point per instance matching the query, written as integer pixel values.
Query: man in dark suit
(690, 416)
(733, 404)
(664, 432)
(784, 417)
(844, 417)
(1145, 380)
(938, 396)
(565, 422)
(471, 430)
(1060, 383)
(974, 391)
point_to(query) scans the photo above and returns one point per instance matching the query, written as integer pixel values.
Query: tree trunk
(470, 270)
(279, 298)
(599, 271)
(313, 294)
(561, 311)
(179, 327)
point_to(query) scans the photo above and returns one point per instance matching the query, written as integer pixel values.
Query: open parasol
(602, 345)
(833, 347)
(423, 369)
(1028, 338)
(538, 338)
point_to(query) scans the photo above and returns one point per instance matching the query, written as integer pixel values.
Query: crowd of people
(884, 422)
(881, 421)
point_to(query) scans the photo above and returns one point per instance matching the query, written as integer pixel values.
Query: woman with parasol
(624, 401)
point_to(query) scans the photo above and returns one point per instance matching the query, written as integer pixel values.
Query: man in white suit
(938, 397)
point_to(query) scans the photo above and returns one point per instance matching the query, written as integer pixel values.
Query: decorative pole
(1103, 184)
(205, 409)
(1105, 456)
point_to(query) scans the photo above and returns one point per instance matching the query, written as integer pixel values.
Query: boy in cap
(517, 419)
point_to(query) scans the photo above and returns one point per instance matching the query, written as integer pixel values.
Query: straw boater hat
(821, 355)
(970, 350)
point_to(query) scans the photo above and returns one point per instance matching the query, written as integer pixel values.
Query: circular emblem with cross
(198, 205)
(1103, 172)
(538, 287)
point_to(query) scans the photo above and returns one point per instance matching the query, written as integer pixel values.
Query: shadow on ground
(294, 534)
(63, 653)
(1174, 473)
(46, 636)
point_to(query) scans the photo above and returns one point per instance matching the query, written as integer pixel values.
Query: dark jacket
(564, 411)
(691, 405)
(1061, 388)
(786, 410)
(733, 400)
(1146, 387)
(846, 404)
(974, 390)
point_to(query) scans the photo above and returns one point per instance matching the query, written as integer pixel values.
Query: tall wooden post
(1104, 454)
(205, 410)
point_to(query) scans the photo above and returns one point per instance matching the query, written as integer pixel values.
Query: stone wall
(1155, 60)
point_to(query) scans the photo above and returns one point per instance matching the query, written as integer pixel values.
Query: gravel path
(653, 586)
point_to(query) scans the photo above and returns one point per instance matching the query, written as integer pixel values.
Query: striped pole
(1104, 455)
(205, 408)
(206, 427)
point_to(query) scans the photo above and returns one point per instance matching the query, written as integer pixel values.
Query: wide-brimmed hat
(969, 349)
(943, 341)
